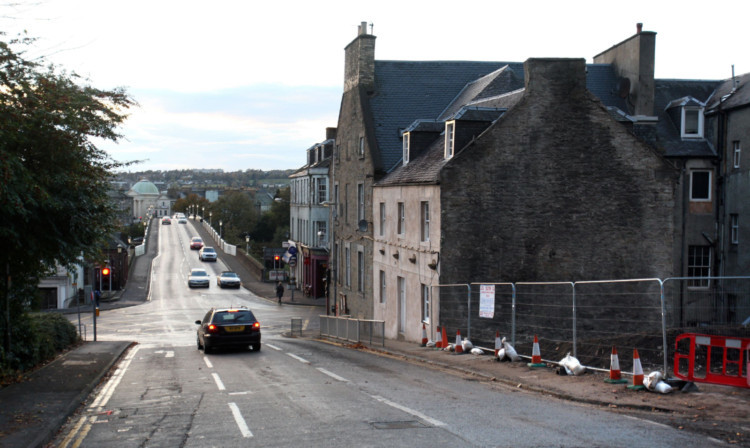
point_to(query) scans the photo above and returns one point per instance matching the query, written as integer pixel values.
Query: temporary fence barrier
(712, 359)
(587, 318)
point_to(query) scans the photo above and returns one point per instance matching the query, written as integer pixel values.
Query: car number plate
(235, 328)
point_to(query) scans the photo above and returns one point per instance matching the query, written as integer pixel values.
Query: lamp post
(210, 218)
(220, 224)
(203, 213)
(119, 266)
(247, 244)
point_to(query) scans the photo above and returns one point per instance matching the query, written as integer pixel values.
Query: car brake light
(212, 328)
(256, 325)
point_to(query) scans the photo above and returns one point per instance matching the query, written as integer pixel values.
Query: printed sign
(487, 301)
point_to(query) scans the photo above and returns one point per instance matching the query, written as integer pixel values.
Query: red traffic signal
(276, 258)
(105, 272)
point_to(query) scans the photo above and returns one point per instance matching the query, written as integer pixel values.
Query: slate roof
(670, 93)
(406, 91)
(729, 97)
(422, 169)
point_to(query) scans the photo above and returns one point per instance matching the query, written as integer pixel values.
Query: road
(301, 392)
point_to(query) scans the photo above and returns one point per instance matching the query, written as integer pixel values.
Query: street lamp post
(247, 244)
(210, 218)
(220, 224)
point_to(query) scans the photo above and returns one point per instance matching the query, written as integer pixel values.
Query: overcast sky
(251, 84)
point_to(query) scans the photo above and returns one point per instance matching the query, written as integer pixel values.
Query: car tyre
(198, 340)
(256, 347)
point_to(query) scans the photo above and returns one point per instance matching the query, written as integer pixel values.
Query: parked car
(228, 279)
(207, 253)
(166, 220)
(196, 243)
(181, 221)
(136, 241)
(228, 327)
(199, 278)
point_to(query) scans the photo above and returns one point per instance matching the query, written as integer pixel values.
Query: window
(734, 222)
(348, 267)
(360, 271)
(321, 233)
(336, 200)
(692, 122)
(382, 218)
(360, 202)
(425, 304)
(406, 147)
(736, 146)
(401, 304)
(361, 147)
(699, 265)
(700, 186)
(401, 218)
(346, 203)
(450, 128)
(425, 208)
(382, 287)
(322, 189)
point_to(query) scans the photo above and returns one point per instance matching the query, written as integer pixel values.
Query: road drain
(409, 424)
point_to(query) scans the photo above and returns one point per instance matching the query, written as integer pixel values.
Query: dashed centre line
(302, 360)
(246, 433)
(219, 384)
(333, 375)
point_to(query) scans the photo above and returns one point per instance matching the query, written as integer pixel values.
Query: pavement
(32, 411)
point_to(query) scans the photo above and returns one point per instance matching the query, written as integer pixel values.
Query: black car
(228, 327)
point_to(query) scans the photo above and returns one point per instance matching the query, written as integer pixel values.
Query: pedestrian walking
(279, 291)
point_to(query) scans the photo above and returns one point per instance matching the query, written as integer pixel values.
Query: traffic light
(105, 272)
(276, 258)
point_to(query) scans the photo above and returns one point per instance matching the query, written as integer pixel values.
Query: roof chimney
(639, 27)
(359, 61)
(362, 28)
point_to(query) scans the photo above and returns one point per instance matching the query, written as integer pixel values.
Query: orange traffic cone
(536, 355)
(445, 338)
(459, 348)
(498, 343)
(637, 372)
(439, 343)
(614, 369)
(424, 335)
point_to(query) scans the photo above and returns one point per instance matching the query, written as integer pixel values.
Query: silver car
(207, 253)
(228, 279)
(199, 278)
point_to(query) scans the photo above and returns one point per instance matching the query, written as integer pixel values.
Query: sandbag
(654, 382)
(500, 354)
(572, 365)
(510, 352)
(467, 345)
(477, 351)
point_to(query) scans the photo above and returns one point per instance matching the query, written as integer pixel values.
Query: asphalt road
(300, 392)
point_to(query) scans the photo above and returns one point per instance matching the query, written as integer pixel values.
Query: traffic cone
(445, 338)
(459, 348)
(637, 372)
(424, 335)
(536, 355)
(439, 342)
(614, 369)
(498, 343)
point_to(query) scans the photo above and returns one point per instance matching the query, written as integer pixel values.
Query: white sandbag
(500, 354)
(430, 343)
(467, 345)
(510, 352)
(572, 365)
(652, 379)
(477, 351)
(663, 388)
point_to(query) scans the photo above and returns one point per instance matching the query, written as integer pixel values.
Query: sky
(249, 84)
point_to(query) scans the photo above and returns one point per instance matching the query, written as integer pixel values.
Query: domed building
(147, 197)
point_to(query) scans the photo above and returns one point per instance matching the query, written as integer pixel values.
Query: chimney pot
(639, 27)
(363, 28)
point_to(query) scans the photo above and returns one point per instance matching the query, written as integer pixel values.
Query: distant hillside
(247, 178)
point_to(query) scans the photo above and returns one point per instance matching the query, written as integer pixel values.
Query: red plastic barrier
(702, 358)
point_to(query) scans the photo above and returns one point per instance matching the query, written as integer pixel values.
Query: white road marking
(298, 358)
(240, 421)
(219, 384)
(333, 375)
(417, 414)
(273, 347)
(647, 421)
(208, 363)
(170, 354)
(247, 392)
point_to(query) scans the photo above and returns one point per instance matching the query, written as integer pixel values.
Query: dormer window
(406, 139)
(692, 122)
(450, 134)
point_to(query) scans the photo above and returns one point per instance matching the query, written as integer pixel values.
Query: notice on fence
(487, 301)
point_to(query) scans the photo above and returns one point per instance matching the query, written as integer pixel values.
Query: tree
(237, 212)
(53, 179)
